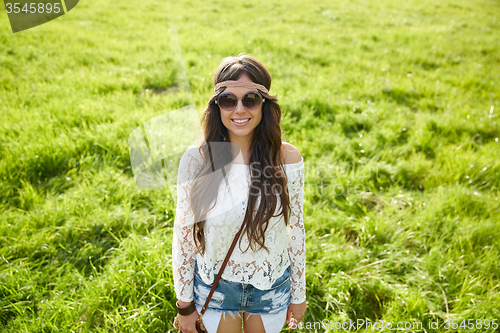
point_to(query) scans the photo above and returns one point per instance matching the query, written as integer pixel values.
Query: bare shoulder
(290, 153)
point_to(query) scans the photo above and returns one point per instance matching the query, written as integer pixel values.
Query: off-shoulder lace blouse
(259, 268)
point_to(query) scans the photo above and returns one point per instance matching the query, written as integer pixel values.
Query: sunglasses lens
(252, 101)
(228, 101)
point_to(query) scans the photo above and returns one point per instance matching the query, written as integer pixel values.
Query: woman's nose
(239, 106)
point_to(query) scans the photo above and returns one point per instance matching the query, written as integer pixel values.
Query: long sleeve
(183, 246)
(296, 238)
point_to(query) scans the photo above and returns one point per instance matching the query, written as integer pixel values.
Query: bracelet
(187, 310)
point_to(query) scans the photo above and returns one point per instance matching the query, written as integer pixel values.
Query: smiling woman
(263, 284)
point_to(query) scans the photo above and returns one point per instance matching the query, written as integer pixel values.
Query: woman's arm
(183, 246)
(296, 237)
(296, 241)
(297, 250)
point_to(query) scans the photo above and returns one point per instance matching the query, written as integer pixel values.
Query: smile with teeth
(241, 121)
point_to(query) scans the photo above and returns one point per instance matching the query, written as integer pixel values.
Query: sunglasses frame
(239, 99)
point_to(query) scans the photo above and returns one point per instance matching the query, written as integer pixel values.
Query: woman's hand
(298, 311)
(187, 324)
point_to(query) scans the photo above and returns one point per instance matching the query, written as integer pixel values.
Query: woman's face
(244, 131)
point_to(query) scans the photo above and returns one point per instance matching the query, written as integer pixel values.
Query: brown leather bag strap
(235, 240)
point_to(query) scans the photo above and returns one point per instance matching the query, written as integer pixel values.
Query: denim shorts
(234, 297)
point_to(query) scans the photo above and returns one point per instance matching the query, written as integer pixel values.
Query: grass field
(393, 105)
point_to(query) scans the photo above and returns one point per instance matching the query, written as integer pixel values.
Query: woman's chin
(242, 132)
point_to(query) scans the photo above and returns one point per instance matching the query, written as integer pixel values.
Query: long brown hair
(265, 153)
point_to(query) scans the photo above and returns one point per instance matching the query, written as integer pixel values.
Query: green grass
(394, 107)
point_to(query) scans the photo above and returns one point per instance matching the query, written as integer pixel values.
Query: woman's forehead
(244, 77)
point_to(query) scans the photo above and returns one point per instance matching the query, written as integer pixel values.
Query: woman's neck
(241, 150)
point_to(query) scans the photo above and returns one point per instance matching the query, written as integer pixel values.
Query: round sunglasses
(228, 101)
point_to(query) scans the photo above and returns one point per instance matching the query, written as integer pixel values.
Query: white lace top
(259, 268)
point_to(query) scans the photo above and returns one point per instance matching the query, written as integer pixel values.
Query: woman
(242, 171)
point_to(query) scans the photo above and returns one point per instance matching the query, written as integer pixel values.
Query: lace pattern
(259, 268)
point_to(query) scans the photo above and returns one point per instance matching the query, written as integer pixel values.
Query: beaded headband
(245, 84)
